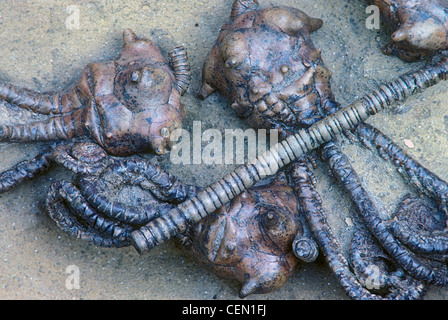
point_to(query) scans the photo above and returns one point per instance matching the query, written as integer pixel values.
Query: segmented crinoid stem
(305, 249)
(179, 61)
(283, 153)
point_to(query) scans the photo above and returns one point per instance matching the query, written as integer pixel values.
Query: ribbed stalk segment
(219, 193)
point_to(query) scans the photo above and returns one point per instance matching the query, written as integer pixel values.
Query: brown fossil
(375, 269)
(251, 238)
(110, 196)
(89, 211)
(271, 90)
(422, 27)
(127, 105)
(268, 67)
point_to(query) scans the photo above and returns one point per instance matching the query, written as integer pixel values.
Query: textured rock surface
(35, 254)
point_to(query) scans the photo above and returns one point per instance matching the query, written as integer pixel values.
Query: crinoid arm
(79, 219)
(82, 157)
(311, 203)
(65, 111)
(418, 267)
(241, 6)
(420, 177)
(378, 272)
(406, 223)
(48, 103)
(91, 208)
(58, 127)
(421, 227)
(26, 170)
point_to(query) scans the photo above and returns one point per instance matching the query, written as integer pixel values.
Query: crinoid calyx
(127, 105)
